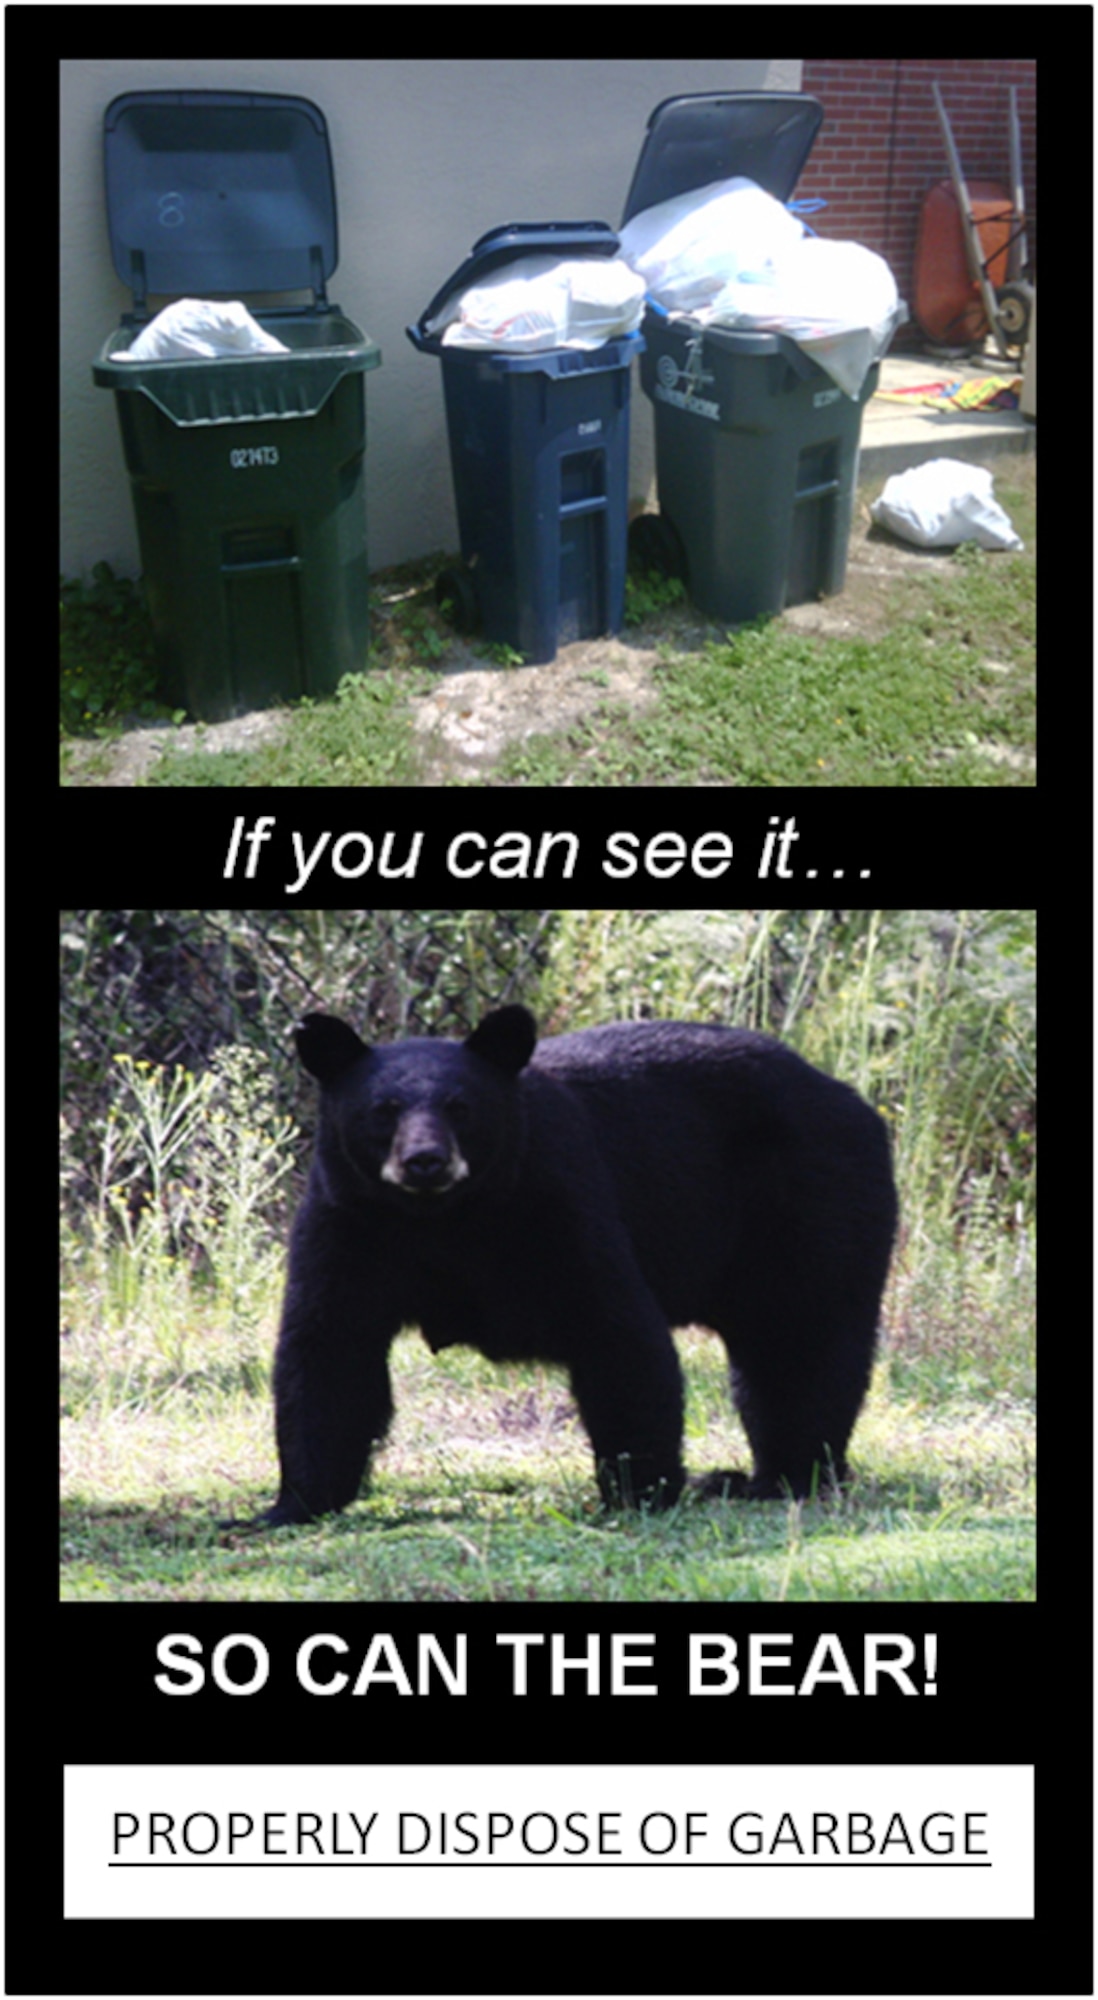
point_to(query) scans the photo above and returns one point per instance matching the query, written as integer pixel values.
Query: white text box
(472, 1840)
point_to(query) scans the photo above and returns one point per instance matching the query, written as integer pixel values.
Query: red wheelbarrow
(971, 252)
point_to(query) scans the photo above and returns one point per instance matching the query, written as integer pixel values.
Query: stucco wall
(428, 154)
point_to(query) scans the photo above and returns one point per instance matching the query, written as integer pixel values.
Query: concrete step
(898, 435)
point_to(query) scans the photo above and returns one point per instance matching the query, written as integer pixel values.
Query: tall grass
(930, 1014)
(169, 1270)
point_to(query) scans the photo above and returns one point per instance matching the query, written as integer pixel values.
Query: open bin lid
(219, 192)
(504, 245)
(765, 135)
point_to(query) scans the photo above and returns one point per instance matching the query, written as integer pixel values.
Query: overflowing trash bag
(689, 248)
(542, 302)
(729, 254)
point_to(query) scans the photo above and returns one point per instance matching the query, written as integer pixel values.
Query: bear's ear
(506, 1038)
(327, 1046)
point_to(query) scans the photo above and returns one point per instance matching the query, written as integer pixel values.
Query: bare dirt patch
(475, 711)
(130, 758)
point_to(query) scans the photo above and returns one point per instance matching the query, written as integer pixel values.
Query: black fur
(572, 1202)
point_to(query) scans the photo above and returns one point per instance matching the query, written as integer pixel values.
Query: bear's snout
(429, 1169)
(424, 1157)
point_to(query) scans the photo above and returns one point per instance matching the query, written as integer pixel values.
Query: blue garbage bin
(539, 452)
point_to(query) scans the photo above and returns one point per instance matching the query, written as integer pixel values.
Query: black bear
(572, 1201)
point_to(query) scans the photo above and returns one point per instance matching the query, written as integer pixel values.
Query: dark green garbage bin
(756, 466)
(247, 471)
(756, 446)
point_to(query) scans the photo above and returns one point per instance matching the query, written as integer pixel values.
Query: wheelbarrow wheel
(655, 546)
(1015, 311)
(456, 597)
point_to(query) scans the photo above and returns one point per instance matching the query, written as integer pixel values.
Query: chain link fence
(171, 987)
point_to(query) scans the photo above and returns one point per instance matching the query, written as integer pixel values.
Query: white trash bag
(731, 255)
(535, 303)
(689, 248)
(837, 301)
(200, 329)
(943, 502)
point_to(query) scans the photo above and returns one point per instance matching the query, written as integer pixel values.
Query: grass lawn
(484, 1493)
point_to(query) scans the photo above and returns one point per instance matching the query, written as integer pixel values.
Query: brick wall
(881, 148)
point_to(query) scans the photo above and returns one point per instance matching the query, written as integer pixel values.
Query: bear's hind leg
(799, 1320)
(798, 1414)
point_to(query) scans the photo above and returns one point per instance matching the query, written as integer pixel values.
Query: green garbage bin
(247, 471)
(756, 447)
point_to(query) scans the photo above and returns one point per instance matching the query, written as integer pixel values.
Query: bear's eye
(456, 1109)
(385, 1113)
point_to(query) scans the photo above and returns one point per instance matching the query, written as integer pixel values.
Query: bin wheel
(456, 597)
(656, 546)
(1014, 305)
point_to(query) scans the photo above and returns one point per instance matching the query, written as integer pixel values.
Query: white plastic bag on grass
(536, 303)
(943, 502)
(202, 329)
